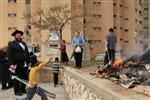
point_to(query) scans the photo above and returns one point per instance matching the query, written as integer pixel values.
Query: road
(59, 91)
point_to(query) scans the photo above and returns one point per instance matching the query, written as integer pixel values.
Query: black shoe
(5, 88)
(23, 91)
(75, 66)
(10, 86)
(18, 94)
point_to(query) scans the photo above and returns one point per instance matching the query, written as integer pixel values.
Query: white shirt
(22, 46)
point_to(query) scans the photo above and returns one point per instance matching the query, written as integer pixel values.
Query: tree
(53, 19)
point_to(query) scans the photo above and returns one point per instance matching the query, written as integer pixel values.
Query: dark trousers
(31, 91)
(109, 56)
(21, 72)
(78, 59)
(55, 75)
(10, 84)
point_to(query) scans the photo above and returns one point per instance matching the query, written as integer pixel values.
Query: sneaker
(18, 94)
(23, 91)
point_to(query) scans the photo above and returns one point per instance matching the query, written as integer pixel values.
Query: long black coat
(18, 56)
(4, 72)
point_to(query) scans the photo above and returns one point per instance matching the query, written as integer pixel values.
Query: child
(64, 57)
(32, 87)
(55, 68)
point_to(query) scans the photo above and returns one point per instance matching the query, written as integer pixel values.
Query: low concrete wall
(81, 86)
(46, 75)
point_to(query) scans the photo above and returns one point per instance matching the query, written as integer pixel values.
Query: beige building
(129, 18)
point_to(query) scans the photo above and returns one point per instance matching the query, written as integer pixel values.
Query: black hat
(16, 32)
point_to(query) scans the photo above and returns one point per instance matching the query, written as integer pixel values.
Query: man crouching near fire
(32, 87)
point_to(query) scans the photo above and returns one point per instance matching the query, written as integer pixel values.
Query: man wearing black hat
(18, 58)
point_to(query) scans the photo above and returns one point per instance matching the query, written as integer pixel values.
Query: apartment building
(11, 14)
(129, 18)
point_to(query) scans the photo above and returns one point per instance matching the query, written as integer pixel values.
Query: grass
(86, 63)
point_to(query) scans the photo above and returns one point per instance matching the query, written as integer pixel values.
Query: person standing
(64, 56)
(55, 68)
(111, 41)
(5, 75)
(18, 58)
(78, 42)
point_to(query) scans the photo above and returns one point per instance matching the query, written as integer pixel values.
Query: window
(12, 1)
(141, 42)
(145, 27)
(115, 27)
(120, 5)
(136, 20)
(140, 22)
(114, 4)
(84, 21)
(99, 41)
(12, 28)
(136, 9)
(28, 2)
(140, 2)
(97, 28)
(145, 18)
(97, 15)
(126, 41)
(96, 3)
(126, 30)
(12, 14)
(145, 8)
(126, 18)
(121, 27)
(121, 17)
(115, 15)
(140, 13)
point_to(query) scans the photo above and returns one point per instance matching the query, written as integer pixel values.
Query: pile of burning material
(109, 70)
(134, 71)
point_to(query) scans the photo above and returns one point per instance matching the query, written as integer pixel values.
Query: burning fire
(117, 64)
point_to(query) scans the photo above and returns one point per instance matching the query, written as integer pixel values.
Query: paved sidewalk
(59, 91)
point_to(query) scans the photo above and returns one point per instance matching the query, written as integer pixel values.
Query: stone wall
(81, 86)
(78, 91)
(46, 75)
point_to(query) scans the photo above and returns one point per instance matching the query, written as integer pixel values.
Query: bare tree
(53, 19)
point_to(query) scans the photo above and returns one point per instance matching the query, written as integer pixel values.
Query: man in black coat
(5, 75)
(18, 58)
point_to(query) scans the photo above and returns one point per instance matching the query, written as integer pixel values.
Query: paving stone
(59, 91)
